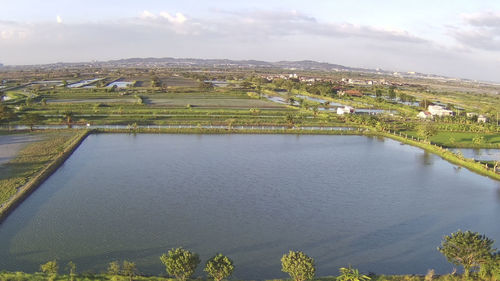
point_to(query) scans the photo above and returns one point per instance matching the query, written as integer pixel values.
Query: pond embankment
(446, 155)
(42, 175)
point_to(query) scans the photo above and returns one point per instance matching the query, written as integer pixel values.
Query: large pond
(376, 204)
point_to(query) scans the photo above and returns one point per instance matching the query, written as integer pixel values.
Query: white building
(425, 115)
(345, 110)
(482, 119)
(438, 110)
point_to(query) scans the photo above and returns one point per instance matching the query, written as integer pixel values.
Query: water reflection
(426, 158)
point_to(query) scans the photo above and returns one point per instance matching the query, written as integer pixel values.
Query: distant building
(1, 64)
(345, 110)
(482, 119)
(471, 114)
(439, 110)
(424, 115)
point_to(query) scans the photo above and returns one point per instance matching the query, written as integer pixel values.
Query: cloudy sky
(448, 37)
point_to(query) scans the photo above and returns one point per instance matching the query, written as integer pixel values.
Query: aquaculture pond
(374, 203)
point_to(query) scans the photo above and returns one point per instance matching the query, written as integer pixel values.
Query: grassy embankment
(445, 154)
(463, 139)
(34, 164)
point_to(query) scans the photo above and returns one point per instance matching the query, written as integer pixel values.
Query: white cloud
(178, 19)
(147, 15)
(481, 31)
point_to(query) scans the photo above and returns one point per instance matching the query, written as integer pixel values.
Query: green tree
(180, 263)
(68, 117)
(129, 269)
(31, 119)
(378, 93)
(298, 265)
(425, 131)
(392, 93)
(6, 114)
(246, 85)
(156, 81)
(490, 271)
(351, 274)
(219, 267)
(50, 268)
(71, 266)
(468, 249)
(206, 86)
(114, 268)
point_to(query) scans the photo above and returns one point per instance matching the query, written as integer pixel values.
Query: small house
(424, 115)
(345, 110)
(482, 119)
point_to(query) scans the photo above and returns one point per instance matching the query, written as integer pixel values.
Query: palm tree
(68, 116)
(351, 274)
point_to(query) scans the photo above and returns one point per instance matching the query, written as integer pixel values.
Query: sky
(447, 37)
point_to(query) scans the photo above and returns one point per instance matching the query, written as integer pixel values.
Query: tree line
(470, 250)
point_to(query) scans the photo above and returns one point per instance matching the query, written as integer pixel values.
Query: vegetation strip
(41, 176)
(446, 155)
(470, 250)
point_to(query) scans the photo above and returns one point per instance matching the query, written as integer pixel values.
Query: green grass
(447, 155)
(462, 139)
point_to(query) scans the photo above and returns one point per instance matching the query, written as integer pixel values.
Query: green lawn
(462, 139)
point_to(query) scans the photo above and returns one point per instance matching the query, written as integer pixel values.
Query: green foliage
(392, 93)
(468, 249)
(31, 119)
(430, 275)
(50, 268)
(351, 274)
(71, 266)
(180, 263)
(426, 130)
(219, 267)
(491, 270)
(298, 265)
(114, 268)
(129, 269)
(206, 86)
(6, 114)
(478, 139)
(246, 85)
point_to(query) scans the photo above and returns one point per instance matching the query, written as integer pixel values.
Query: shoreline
(37, 179)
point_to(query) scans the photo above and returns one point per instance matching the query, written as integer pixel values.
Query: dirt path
(10, 145)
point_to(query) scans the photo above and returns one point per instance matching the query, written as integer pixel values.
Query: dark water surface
(376, 204)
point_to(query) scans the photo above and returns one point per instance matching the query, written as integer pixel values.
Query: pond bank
(445, 154)
(37, 179)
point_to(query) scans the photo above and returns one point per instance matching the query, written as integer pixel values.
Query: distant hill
(299, 65)
(227, 63)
